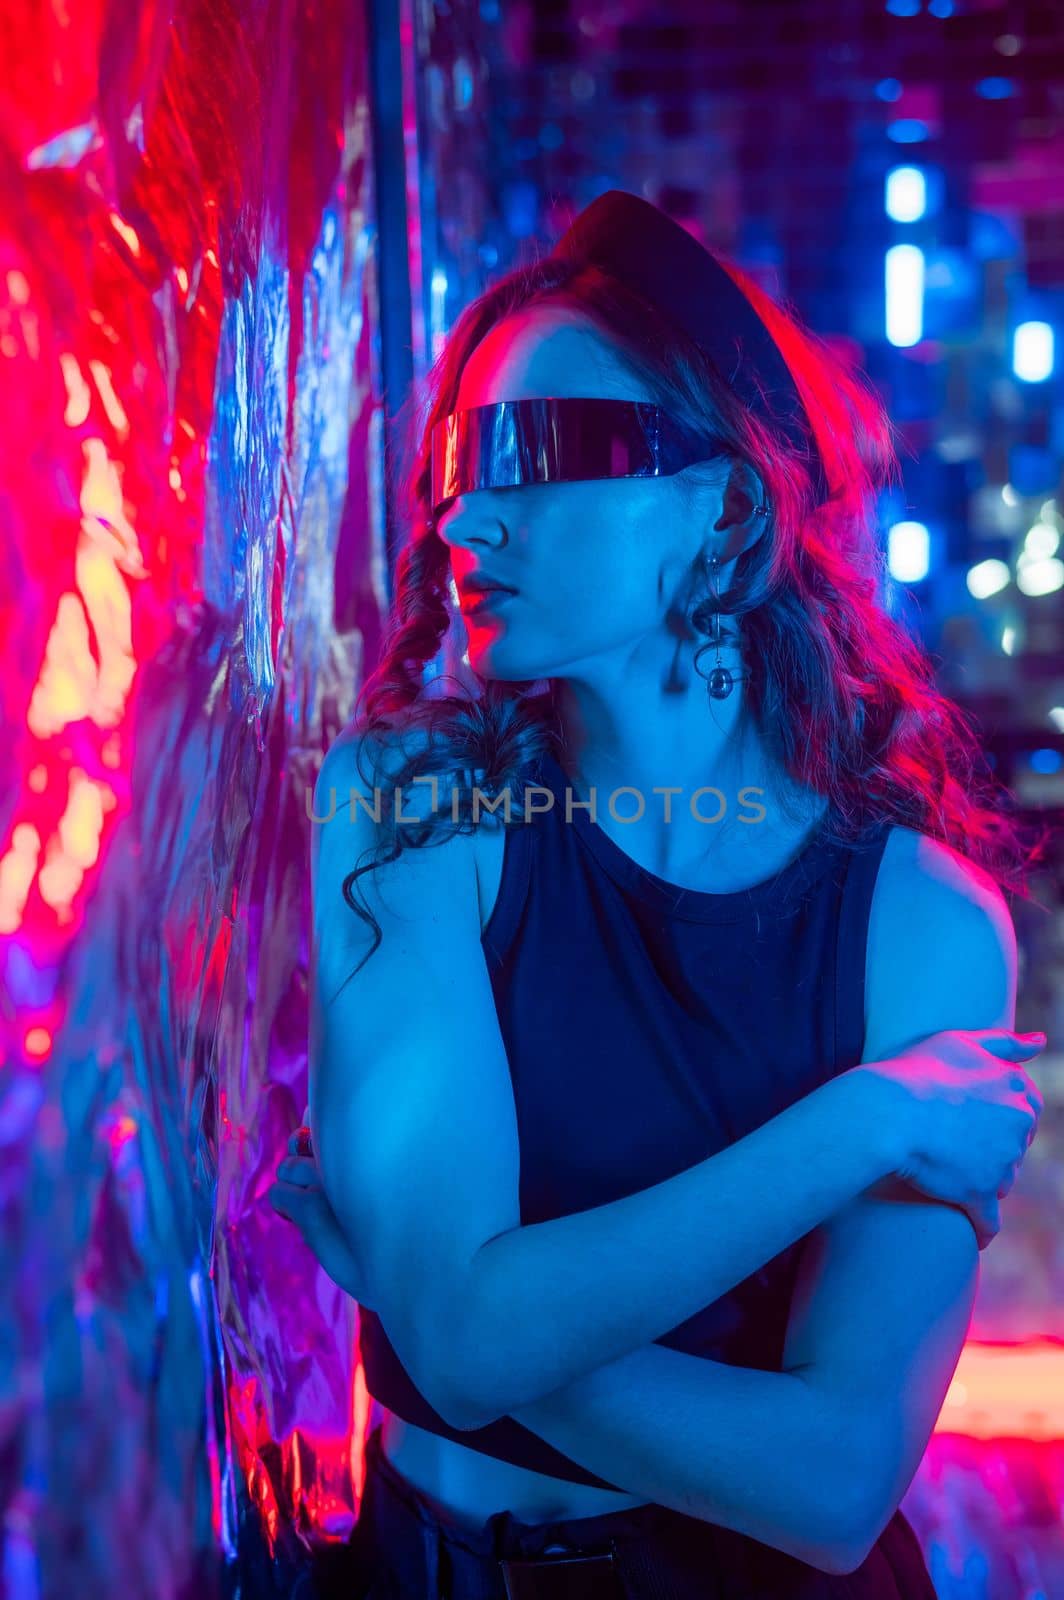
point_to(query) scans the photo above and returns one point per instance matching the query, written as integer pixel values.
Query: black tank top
(647, 1027)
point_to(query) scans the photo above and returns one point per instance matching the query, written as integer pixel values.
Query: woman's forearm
(548, 1302)
(762, 1453)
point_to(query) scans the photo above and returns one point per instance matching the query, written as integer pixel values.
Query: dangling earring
(720, 681)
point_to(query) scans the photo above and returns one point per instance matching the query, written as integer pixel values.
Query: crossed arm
(814, 1459)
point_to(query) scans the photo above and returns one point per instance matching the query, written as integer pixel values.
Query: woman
(658, 1142)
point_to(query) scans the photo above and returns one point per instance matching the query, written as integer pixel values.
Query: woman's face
(594, 563)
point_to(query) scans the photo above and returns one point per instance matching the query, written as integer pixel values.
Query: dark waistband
(648, 1550)
(508, 1559)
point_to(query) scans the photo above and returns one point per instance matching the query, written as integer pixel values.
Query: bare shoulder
(379, 758)
(941, 946)
(924, 879)
(351, 797)
(370, 758)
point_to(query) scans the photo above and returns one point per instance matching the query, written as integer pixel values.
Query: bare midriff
(466, 1486)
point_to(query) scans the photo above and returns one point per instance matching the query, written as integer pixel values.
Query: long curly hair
(843, 695)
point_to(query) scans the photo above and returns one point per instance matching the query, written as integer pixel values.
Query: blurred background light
(1041, 540)
(907, 130)
(908, 551)
(1032, 351)
(1040, 576)
(995, 88)
(906, 196)
(987, 578)
(905, 294)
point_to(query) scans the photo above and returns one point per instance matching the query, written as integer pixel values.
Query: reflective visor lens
(557, 441)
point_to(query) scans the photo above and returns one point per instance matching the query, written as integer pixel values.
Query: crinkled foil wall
(191, 590)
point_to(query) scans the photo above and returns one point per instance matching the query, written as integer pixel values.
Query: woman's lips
(486, 600)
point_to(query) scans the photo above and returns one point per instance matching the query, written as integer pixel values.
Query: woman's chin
(496, 658)
(503, 671)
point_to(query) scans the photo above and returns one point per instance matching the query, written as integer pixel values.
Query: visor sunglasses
(553, 440)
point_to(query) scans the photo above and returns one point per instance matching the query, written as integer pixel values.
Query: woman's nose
(464, 522)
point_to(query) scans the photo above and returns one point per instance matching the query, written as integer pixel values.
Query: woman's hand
(970, 1114)
(298, 1196)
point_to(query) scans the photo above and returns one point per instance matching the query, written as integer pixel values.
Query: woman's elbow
(472, 1394)
(454, 1378)
(479, 1366)
(851, 1546)
(459, 1409)
(460, 1399)
(837, 1524)
(429, 1360)
(847, 1540)
(865, 1501)
(848, 1546)
(836, 1543)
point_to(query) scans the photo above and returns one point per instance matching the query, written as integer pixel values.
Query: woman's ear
(742, 513)
(722, 497)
